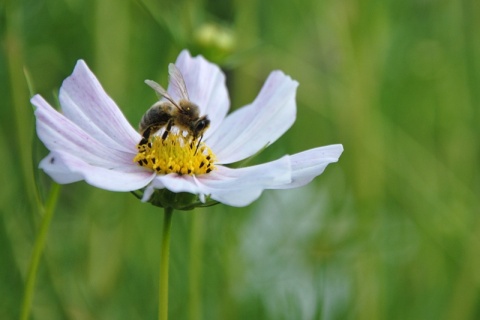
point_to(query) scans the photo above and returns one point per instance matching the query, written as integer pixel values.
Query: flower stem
(195, 266)
(37, 251)
(164, 258)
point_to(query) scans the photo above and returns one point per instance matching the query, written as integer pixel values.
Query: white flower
(92, 141)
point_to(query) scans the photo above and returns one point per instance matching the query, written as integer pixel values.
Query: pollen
(177, 153)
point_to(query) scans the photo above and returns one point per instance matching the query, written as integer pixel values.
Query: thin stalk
(164, 261)
(195, 266)
(37, 251)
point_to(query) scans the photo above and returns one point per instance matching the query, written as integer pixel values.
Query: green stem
(37, 251)
(195, 266)
(164, 258)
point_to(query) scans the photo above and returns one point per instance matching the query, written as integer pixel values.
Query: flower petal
(56, 168)
(84, 102)
(206, 87)
(235, 187)
(59, 133)
(240, 187)
(150, 189)
(175, 183)
(251, 128)
(66, 168)
(311, 163)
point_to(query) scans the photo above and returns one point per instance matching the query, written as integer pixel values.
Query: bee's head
(201, 125)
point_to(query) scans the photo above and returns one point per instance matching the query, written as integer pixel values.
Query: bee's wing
(160, 91)
(177, 83)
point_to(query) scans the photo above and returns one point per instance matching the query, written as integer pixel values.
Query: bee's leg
(145, 136)
(167, 129)
(198, 145)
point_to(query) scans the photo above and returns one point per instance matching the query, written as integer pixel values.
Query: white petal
(84, 102)
(59, 133)
(311, 163)
(177, 183)
(251, 128)
(173, 182)
(150, 189)
(206, 87)
(235, 187)
(57, 170)
(238, 198)
(66, 168)
(240, 187)
(80, 150)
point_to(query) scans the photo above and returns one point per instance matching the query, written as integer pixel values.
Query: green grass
(390, 232)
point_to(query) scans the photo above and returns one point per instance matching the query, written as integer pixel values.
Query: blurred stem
(37, 251)
(164, 258)
(194, 270)
(22, 112)
(112, 32)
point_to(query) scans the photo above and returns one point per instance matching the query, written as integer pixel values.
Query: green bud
(215, 41)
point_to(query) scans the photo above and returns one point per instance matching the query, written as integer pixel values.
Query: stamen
(175, 153)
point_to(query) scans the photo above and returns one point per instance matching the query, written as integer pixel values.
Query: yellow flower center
(176, 153)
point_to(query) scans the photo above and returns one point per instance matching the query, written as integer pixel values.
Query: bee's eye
(202, 124)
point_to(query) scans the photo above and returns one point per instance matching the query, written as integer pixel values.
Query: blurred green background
(390, 232)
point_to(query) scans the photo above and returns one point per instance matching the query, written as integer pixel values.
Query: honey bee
(183, 113)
